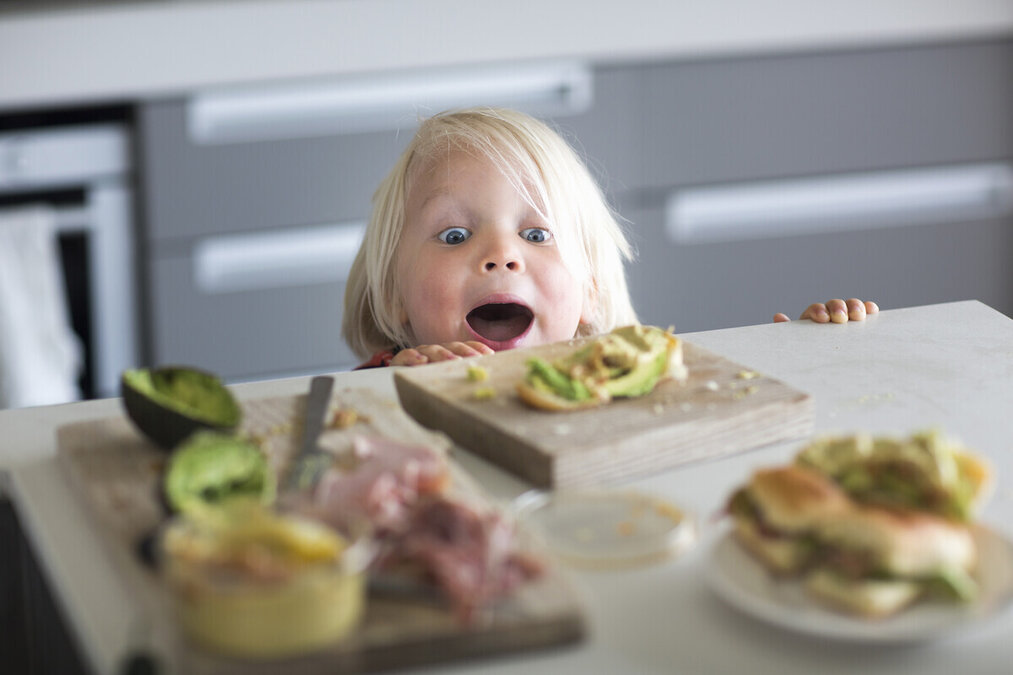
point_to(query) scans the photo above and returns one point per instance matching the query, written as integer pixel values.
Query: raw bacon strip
(381, 488)
(470, 555)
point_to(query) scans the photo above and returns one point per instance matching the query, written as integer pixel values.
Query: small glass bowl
(607, 529)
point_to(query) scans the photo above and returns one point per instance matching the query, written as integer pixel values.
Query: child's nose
(502, 255)
(512, 265)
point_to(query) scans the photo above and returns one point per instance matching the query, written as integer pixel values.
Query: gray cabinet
(742, 120)
(717, 285)
(194, 193)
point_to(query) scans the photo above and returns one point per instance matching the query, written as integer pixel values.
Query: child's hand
(423, 354)
(836, 311)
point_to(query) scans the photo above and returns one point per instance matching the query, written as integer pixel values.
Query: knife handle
(307, 466)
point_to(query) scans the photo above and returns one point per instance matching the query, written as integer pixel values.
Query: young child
(489, 233)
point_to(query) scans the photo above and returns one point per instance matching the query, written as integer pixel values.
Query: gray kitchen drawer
(246, 335)
(609, 136)
(195, 190)
(720, 285)
(793, 115)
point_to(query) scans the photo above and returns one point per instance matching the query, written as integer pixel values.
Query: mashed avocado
(627, 362)
(924, 471)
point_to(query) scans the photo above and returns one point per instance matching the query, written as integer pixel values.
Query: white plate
(744, 583)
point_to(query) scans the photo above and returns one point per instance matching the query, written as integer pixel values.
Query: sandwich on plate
(776, 514)
(867, 560)
(875, 561)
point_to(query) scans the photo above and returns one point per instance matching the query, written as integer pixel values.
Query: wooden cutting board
(723, 408)
(115, 473)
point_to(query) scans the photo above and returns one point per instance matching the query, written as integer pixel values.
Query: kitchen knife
(310, 463)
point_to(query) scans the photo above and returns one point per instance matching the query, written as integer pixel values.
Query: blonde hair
(550, 177)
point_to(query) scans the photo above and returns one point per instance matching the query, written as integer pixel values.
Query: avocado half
(211, 468)
(170, 403)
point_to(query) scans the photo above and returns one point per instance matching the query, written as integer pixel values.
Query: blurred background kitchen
(187, 181)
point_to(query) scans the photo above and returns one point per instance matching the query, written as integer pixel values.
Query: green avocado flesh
(170, 403)
(627, 362)
(544, 376)
(211, 468)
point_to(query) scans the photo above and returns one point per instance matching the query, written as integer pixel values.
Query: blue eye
(536, 235)
(453, 235)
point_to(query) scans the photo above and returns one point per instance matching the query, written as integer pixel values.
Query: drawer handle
(383, 102)
(297, 256)
(839, 202)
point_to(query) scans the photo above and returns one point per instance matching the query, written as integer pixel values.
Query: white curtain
(40, 356)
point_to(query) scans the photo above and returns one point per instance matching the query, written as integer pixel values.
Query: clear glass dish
(607, 529)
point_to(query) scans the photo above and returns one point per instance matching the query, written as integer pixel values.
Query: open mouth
(500, 322)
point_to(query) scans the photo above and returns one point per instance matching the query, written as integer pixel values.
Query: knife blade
(311, 461)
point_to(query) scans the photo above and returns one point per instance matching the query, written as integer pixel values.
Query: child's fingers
(816, 312)
(437, 353)
(838, 310)
(480, 347)
(781, 318)
(423, 354)
(470, 348)
(409, 357)
(856, 309)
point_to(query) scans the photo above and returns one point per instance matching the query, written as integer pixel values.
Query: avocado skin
(170, 403)
(211, 467)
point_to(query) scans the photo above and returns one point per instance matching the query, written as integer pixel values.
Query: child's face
(476, 262)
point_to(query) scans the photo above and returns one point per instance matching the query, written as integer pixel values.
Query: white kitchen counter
(948, 366)
(135, 50)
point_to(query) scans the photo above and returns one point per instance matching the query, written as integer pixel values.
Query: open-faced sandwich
(868, 560)
(627, 362)
(926, 471)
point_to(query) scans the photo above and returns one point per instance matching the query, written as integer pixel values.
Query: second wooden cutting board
(723, 408)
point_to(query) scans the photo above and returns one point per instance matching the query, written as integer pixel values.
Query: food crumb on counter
(711, 385)
(562, 429)
(484, 394)
(747, 374)
(344, 418)
(626, 528)
(477, 374)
